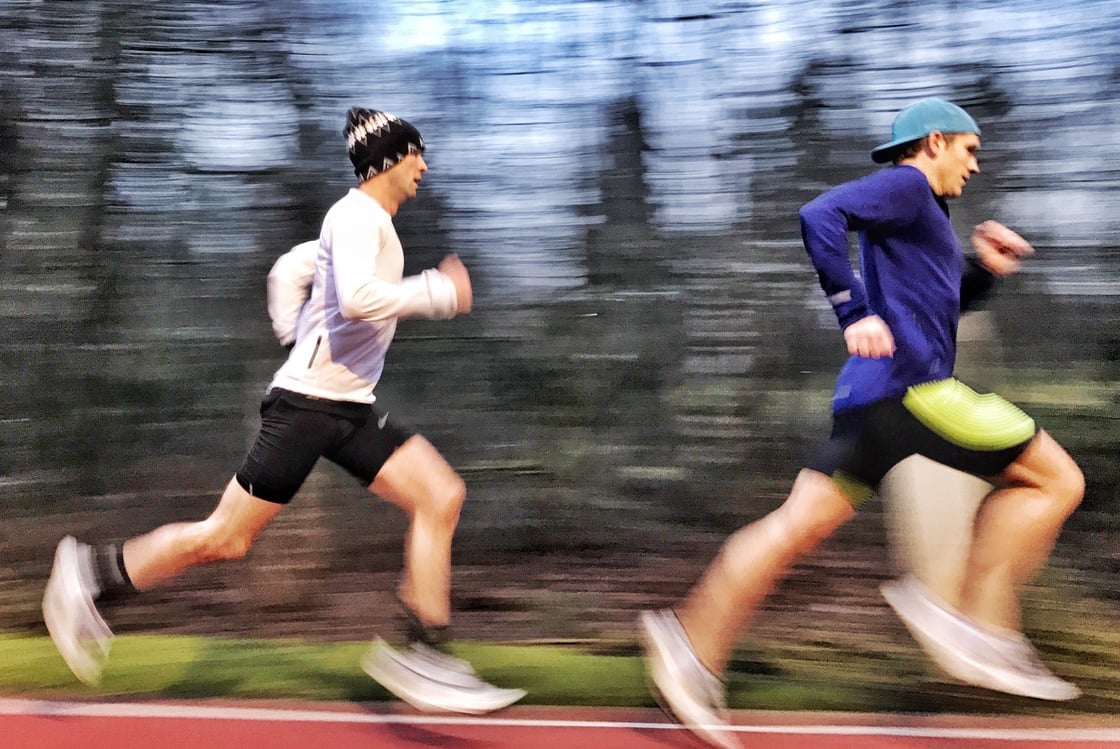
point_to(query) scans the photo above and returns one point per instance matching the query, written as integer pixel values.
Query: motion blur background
(650, 355)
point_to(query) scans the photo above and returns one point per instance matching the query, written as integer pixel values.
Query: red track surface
(55, 725)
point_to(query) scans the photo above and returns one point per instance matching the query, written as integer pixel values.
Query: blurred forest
(650, 356)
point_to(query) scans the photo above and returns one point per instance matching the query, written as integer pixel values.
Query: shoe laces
(443, 668)
(91, 630)
(87, 575)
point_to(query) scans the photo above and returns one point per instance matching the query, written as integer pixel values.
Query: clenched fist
(999, 249)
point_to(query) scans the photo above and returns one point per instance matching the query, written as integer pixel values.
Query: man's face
(407, 173)
(955, 162)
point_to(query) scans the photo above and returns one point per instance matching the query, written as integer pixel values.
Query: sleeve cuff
(849, 308)
(441, 291)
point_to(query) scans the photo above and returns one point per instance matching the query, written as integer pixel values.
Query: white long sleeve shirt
(343, 330)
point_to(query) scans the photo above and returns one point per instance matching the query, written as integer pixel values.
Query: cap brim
(886, 152)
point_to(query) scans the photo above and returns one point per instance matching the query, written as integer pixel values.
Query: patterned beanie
(378, 140)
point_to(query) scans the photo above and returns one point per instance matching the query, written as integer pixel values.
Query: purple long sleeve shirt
(910, 275)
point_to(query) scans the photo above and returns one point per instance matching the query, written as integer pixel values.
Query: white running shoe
(690, 693)
(432, 681)
(80, 634)
(968, 652)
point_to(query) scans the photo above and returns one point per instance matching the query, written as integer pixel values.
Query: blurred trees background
(650, 356)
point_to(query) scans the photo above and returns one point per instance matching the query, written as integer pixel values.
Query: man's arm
(289, 286)
(431, 294)
(824, 232)
(879, 202)
(976, 282)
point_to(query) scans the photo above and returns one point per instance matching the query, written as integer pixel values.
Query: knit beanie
(378, 140)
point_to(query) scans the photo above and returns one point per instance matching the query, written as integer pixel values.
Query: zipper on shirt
(314, 352)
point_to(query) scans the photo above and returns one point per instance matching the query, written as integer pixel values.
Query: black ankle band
(112, 578)
(416, 631)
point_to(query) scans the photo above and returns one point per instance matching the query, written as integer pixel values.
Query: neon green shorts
(945, 421)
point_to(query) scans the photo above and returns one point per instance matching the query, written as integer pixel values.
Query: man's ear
(935, 143)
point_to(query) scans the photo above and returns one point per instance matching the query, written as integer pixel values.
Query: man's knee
(448, 498)
(1046, 466)
(814, 510)
(1069, 488)
(417, 478)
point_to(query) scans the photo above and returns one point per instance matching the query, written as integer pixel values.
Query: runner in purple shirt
(895, 397)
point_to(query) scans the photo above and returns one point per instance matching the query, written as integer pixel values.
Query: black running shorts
(945, 421)
(296, 430)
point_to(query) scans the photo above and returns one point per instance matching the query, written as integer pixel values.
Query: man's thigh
(372, 447)
(416, 474)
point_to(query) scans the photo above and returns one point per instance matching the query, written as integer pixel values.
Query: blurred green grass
(195, 667)
(806, 677)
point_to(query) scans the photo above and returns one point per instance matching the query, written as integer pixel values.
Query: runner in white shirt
(357, 296)
(321, 404)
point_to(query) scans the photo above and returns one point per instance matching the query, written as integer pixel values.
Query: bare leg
(751, 562)
(417, 479)
(226, 534)
(1015, 531)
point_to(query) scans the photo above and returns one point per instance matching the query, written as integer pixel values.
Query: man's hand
(870, 338)
(452, 267)
(999, 249)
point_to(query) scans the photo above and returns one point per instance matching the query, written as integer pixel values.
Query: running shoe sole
(465, 693)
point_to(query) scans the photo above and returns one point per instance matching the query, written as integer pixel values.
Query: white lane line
(61, 709)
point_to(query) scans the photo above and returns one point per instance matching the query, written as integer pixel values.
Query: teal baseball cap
(919, 120)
